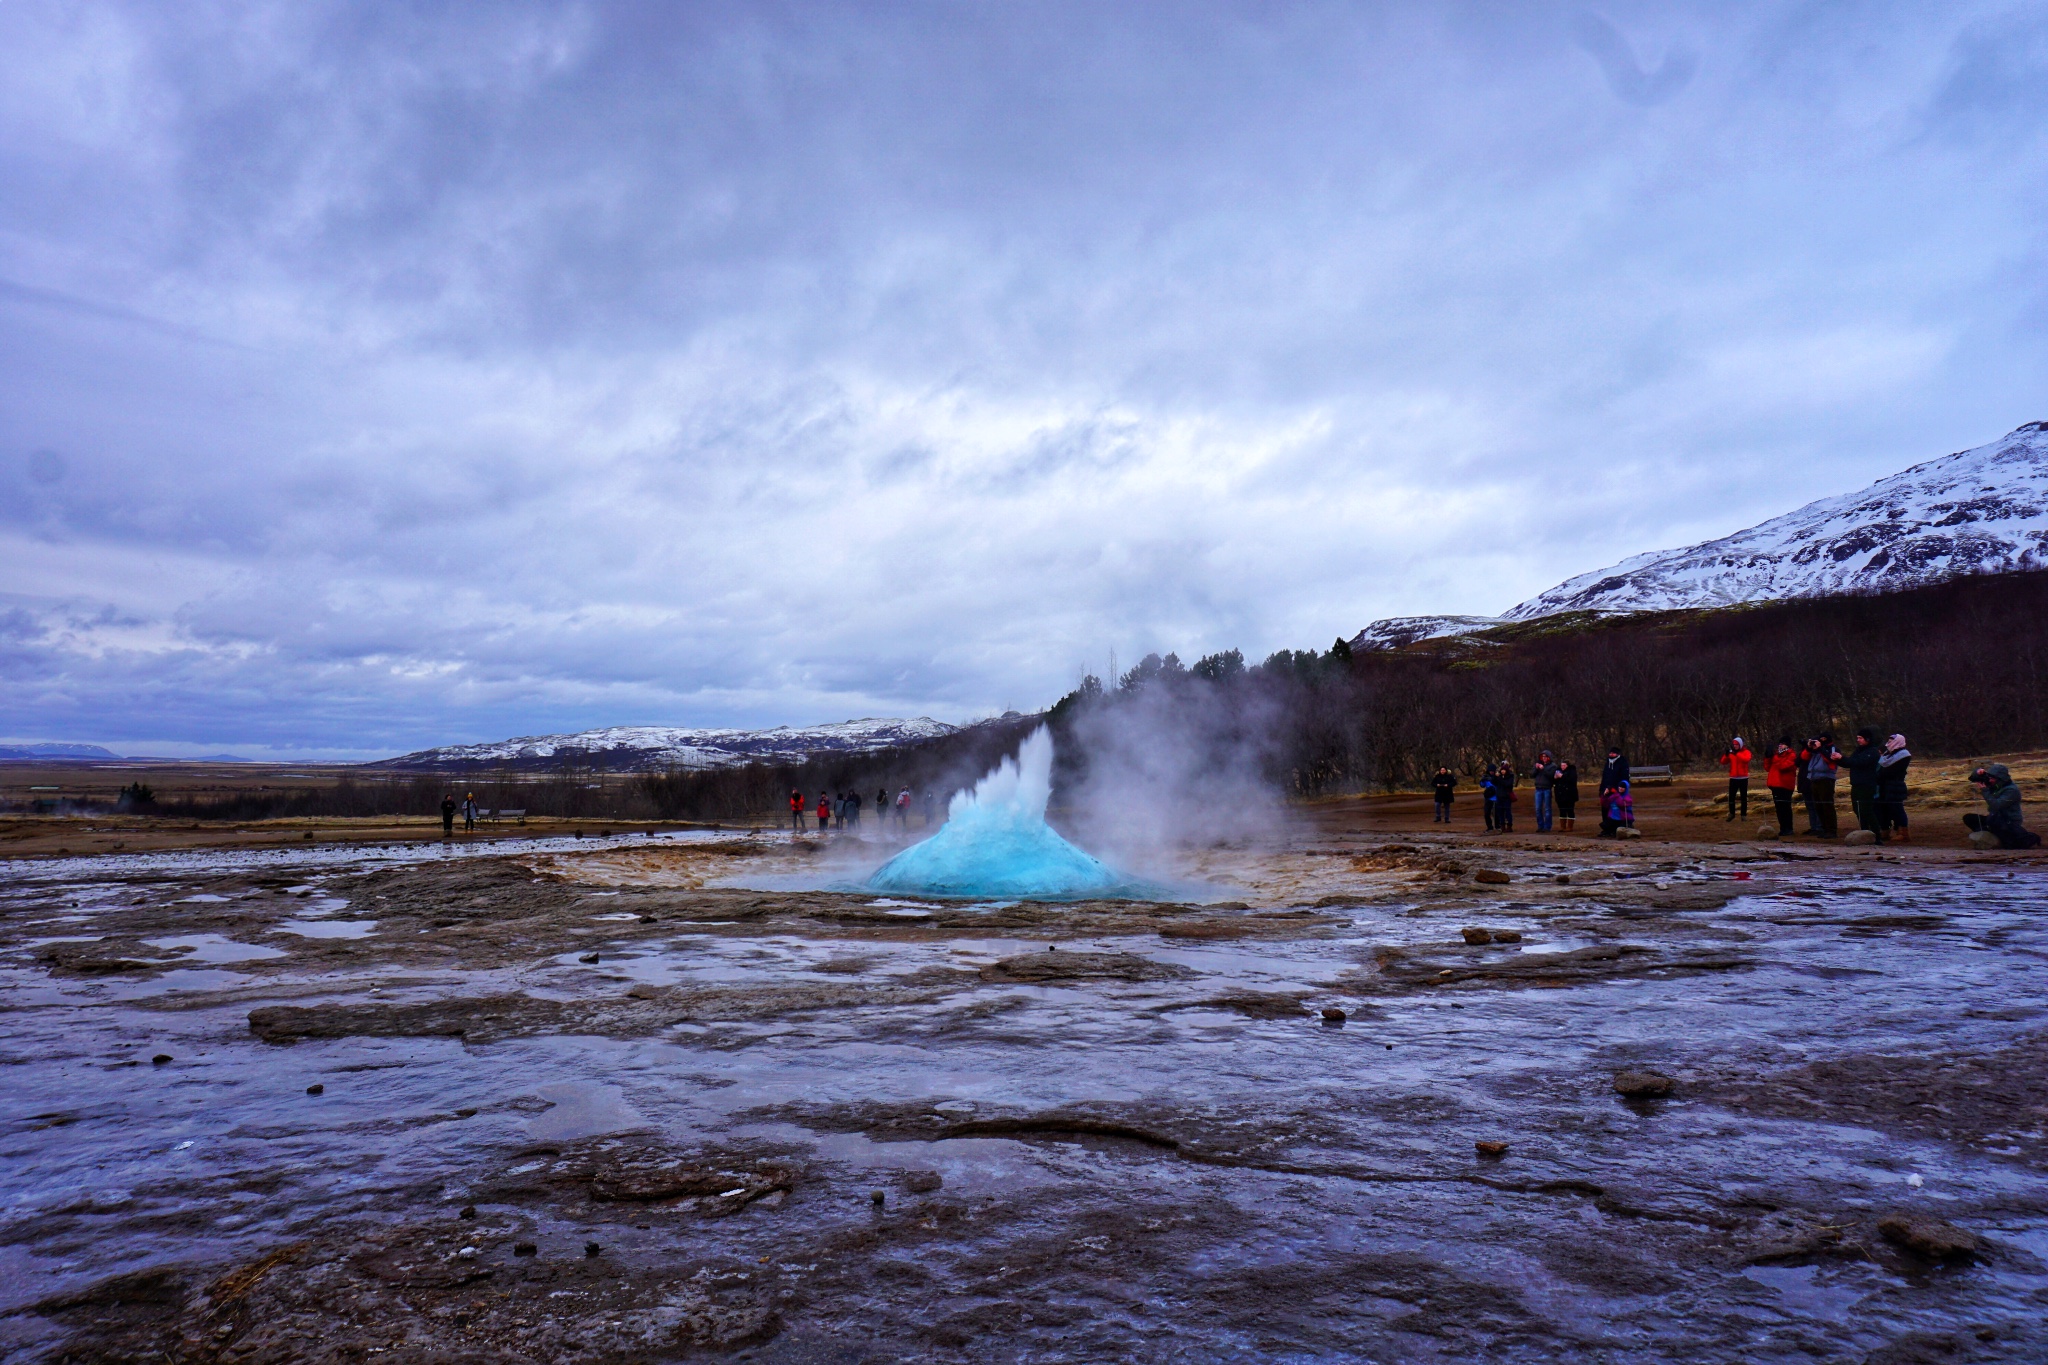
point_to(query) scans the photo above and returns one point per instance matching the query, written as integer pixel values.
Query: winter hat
(1895, 742)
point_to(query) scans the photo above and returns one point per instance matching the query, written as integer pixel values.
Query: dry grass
(1933, 784)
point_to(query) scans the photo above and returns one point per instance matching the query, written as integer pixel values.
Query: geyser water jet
(995, 842)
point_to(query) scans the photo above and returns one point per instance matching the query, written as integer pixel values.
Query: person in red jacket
(796, 809)
(824, 810)
(1736, 761)
(1781, 775)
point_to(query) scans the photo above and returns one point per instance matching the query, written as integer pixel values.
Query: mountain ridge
(668, 746)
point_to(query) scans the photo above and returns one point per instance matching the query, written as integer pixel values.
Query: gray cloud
(432, 373)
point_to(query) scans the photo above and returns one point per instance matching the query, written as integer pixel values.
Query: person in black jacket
(1444, 785)
(1564, 789)
(2002, 816)
(1614, 776)
(1891, 789)
(1862, 766)
(1504, 796)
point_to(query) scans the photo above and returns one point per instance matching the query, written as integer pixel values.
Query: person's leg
(1544, 815)
(1824, 797)
(1731, 799)
(1781, 800)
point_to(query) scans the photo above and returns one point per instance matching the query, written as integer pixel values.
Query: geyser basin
(995, 842)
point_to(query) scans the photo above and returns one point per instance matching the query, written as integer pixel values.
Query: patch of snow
(663, 746)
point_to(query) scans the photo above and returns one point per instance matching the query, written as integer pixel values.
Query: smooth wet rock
(587, 957)
(1507, 936)
(1628, 832)
(1929, 1237)
(1476, 936)
(1643, 1085)
(316, 1089)
(1983, 838)
(921, 1182)
(161, 1059)
(1488, 876)
(1859, 837)
(877, 1198)
(1487, 1148)
(592, 1249)
(1333, 1015)
(525, 1249)
(465, 1113)
(1766, 831)
(468, 1211)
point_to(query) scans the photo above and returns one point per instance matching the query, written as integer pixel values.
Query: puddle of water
(583, 1109)
(215, 948)
(332, 928)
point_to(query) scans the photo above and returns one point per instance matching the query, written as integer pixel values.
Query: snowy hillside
(1978, 511)
(660, 746)
(1398, 631)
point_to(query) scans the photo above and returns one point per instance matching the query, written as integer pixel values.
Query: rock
(161, 1059)
(1983, 838)
(1486, 1148)
(1491, 877)
(1507, 936)
(1476, 936)
(1929, 1237)
(1643, 1085)
(591, 1250)
(587, 957)
(468, 1211)
(921, 1182)
(648, 919)
(525, 1249)
(316, 1089)
(467, 1253)
(465, 1113)
(1766, 831)
(1859, 837)
(877, 1198)
(1628, 832)
(1333, 1015)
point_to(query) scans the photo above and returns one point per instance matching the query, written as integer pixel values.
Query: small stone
(1766, 831)
(1628, 832)
(465, 1113)
(1983, 838)
(1507, 936)
(316, 1089)
(588, 957)
(1859, 837)
(1490, 1149)
(1928, 1237)
(922, 1182)
(1491, 877)
(1563, 879)
(467, 1253)
(468, 1211)
(161, 1059)
(591, 1250)
(1643, 1085)
(647, 919)
(309, 834)
(1448, 971)
(877, 1198)
(525, 1249)
(1476, 936)
(1333, 1015)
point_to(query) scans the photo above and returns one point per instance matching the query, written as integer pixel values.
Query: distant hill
(45, 753)
(641, 748)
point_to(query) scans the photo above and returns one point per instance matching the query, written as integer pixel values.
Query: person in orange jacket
(1736, 761)
(824, 810)
(1781, 775)
(796, 809)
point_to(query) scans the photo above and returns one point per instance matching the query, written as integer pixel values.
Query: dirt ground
(1383, 1092)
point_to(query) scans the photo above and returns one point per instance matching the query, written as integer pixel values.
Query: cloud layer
(381, 376)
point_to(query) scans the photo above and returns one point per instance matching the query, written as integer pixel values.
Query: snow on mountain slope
(662, 746)
(1977, 511)
(1397, 631)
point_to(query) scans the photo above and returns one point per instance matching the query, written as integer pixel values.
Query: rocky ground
(1415, 1098)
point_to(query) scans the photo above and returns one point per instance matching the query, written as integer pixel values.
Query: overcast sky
(381, 375)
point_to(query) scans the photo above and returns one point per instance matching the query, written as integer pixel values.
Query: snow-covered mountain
(1398, 631)
(662, 746)
(1977, 511)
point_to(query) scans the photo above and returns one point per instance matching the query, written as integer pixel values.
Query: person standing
(1822, 763)
(903, 809)
(1504, 796)
(1543, 782)
(824, 810)
(447, 815)
(1565, 791)
(1614, 773)
(1736, 761)
(1862, 766)
(469, 813)
(882, 811)
(1443, 787)
(853, 809)
(1806, 785)
(1486, 797)
(796, 810)
(1891, 790)
(1782, 778)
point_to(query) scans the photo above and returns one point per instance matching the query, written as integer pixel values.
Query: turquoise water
(995, 842)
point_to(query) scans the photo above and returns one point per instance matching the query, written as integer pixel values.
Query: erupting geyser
(995, 842)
